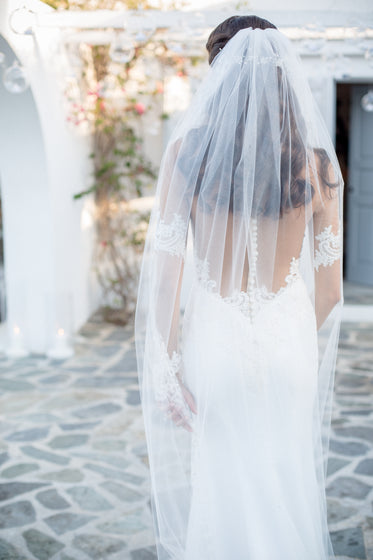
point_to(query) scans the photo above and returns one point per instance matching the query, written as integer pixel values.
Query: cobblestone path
(74, 479)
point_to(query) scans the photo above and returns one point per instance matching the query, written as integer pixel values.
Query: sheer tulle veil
(250, 183)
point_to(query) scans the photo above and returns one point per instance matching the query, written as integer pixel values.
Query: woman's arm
(168, 254)
(328, 250)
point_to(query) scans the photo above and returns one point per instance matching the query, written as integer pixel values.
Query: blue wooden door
(360, 192)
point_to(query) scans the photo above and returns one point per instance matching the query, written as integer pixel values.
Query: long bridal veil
(237, 391)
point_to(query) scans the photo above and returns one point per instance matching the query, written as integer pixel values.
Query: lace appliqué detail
(203, 274)
(248, 303)
(329, 249)
(167, 388)
(171, 237)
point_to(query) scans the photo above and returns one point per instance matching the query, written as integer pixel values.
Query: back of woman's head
(220, 36)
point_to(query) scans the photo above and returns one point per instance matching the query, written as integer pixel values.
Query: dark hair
(296, 184)
(228, 28)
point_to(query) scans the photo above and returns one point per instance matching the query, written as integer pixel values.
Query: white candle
(61, 348)
(16, 347)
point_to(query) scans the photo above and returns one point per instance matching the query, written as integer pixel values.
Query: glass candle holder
(60, 314)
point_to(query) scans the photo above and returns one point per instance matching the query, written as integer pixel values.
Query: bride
(237, 392)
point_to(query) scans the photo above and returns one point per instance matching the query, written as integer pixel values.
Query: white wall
(48, 236)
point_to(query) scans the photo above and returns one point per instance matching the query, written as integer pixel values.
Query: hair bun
(228, 28)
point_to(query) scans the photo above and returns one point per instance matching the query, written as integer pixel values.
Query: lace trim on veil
(171, 237)
(329, 249)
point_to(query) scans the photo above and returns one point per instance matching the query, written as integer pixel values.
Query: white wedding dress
(251, 361)
(237, 390)
(255, 494)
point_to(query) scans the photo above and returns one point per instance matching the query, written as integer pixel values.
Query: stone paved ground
(73, 466)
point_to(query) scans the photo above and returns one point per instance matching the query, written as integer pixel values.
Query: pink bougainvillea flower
(139, 108)
(104, 243)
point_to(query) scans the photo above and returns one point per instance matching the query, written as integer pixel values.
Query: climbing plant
(116, 96)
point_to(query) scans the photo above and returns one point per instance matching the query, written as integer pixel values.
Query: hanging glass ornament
(314, 45)
(342, 66)
(121, 49)
(369, 56)
(329, 57)
(315, 34)
(367, 101)
(15, 78)
(22, 20)
(175, 47)
(140, 27)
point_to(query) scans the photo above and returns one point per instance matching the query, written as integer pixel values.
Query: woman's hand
(178, 413)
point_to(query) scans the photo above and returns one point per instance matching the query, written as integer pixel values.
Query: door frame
(332, 121)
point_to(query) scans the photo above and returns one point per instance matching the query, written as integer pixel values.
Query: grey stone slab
(351, 448)
(369, 521)
(32, 434)
(124, 493)
(119, 335)
(112, 460)
(98, 547)
(346, 486)
(70, 399)
(82, 369)
(127, 363)
(133, 397)
(107, 445)
(98, 410)
(48, 456)
(335, 464)
(114, 474)
(88, 499)
(62, 523)
(9, 490)
(107, 350)
(65, 475)
(144, 554)
(55, 379)
(124, 367)
(19, 470)
(140, 450)
(365, 467)
(40, 545)
(349, 542)
(41, 418)
(65, 442)
(338, 512)
(4, 457)
(9, 552)
(17, 514)
(339, 421)
(15, 385)
(359, 432)
(36, 372)
(357, 412)
(79, 426)
(57, 362)
(100, 381)
(127, 525)
(131, 380)
(351, 380)
(52, 500)
(362, 365)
